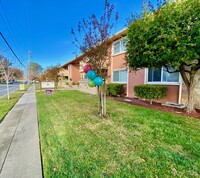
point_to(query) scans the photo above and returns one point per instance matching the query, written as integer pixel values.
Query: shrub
(75, 83)
(150, 91)
(114, 89)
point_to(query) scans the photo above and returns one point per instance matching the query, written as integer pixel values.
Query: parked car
(10, 82)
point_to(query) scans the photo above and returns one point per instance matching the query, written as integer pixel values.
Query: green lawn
(132, 142)
(6, 105)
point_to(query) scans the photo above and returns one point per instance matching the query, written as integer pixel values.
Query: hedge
(150, 91)
(114, 89)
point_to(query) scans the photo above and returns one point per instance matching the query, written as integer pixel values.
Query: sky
(44, 27)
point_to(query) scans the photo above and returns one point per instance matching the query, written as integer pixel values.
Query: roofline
(119, 34)
(114, 37)
(73, 60)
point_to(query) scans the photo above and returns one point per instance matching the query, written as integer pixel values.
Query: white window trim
(121, 52)
(124, 52)
(119, 70)
(161, 83)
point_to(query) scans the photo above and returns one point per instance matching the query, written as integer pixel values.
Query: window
(120, 76)
(119, 46)
(161, 75)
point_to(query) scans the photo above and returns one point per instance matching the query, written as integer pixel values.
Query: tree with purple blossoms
(95, 45)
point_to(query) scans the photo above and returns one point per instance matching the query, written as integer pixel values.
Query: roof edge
(114, 37)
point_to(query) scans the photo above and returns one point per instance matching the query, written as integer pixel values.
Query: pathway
(19, 140)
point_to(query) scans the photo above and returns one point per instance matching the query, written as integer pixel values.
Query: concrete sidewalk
(19, 140)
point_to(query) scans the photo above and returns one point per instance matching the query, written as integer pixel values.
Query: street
(12, 87)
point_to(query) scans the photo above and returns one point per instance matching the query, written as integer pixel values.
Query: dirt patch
(157, 106)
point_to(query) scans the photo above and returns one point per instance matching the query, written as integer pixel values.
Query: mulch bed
(157, 106)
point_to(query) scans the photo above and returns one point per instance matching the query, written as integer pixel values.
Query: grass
(6, 105)
(132, 142)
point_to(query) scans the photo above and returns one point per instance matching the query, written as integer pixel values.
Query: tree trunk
(56, 86)
(190, 85)
(101, 114)
(8, 92)
(40, 86)
(190, 89)
(102, 101)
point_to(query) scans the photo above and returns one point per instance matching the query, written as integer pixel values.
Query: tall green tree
(34, 69)
(170, 37)
(17, 73)
(52, 74)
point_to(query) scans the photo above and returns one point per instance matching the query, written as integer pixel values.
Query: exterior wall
(135, 78)
(138, 78)
(172, 91)
(172, 94)
(64, 72)
(64, 76)
(118, 61)
(74, 72)
(109, 73)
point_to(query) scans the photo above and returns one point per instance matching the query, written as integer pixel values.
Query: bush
(75, 83)
(150, 91)
(114, 89)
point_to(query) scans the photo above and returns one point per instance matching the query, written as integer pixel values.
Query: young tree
(94, 44)
(17, 73)
(34, 69)
(41, 78)
(6, 70)
(52, 73)
(169, 37)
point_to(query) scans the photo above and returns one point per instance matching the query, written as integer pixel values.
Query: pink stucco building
(119, 72)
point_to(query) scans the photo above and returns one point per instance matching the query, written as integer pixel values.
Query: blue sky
(43, 26)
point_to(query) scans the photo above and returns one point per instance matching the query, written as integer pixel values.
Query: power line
(9, 25)
(11, 49)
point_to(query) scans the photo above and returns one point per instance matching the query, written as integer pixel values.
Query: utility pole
(29, 60)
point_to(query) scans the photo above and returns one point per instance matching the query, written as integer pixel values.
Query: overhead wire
(12, 34)
(6, 26)
(11, 49)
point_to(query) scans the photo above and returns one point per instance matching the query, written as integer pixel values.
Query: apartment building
(119, 72)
